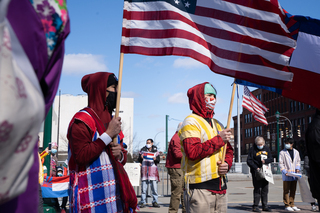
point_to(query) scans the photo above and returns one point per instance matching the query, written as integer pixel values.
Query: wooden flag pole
(229, 119)
(115, 140)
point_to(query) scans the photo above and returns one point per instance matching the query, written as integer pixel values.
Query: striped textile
(252, 104)
(95, 189)
(149, 170)
(246, 39)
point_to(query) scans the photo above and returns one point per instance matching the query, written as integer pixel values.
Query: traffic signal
(268, 134)
(287, 132)
(281, 133)
(298, 131)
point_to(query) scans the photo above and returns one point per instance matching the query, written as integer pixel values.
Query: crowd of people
(198, 159)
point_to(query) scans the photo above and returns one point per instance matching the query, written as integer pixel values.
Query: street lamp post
(278, 145)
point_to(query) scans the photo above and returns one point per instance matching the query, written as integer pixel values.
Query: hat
(209, 89)
(112, 80)
(59, 169)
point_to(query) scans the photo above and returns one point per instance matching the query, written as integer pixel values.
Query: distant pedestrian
(307, 173)
(258, 155)
(149, 158)
(54, 159)
(173, 164)
(313, 149)
(289, 161)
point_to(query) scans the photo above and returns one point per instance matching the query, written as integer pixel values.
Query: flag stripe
(175, 17)
(251, 103)
(187, 39)
(217, 35)
(160, 46)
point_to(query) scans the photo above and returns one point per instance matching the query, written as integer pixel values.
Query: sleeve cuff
(105, 138)
(121, 157)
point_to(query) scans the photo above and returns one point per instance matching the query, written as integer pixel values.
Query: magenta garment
(29, 30)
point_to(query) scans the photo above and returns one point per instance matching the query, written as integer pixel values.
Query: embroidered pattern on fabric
(97, 186)
(24, 144)
(5, 130)
(100, 202)
(21, 89)
(53, 15)
(96, 169)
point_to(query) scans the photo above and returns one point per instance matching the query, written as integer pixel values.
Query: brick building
(298, 113)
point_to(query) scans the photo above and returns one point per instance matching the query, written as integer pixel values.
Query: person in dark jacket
(173, 164)
(149, 158)
(254, 161)
(313, 149)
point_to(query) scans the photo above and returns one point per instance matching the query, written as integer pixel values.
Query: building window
(303, 125)
(298, 106)
(291, 106)
(260, 130)
(285, 106)
(309, 118)
(302, 106)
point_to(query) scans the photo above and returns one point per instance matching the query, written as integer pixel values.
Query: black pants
(260, 191)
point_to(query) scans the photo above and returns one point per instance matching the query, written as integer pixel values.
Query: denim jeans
(154, 188)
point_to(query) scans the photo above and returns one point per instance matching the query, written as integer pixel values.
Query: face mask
(54, 151)
(111, 100)
(287, 146)
(148, 146)
(210, 102)
(60, 174)
(260, 147)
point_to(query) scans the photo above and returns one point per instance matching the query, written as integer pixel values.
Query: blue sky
(157, 84)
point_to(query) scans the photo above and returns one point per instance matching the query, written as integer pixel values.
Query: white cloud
(78, 64)
(188, 63)
(180, 98)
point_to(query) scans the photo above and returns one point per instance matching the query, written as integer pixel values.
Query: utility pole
(278, 145)
(47, 138)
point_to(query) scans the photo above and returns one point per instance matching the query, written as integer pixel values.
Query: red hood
(95, 86)
(197, 103)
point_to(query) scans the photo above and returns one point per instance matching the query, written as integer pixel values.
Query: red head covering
(95, 85)
(197, 101)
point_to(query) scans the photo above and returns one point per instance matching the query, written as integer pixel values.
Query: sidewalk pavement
(240, 196)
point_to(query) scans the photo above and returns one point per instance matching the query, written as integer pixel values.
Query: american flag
(251, 103)
(245, 39)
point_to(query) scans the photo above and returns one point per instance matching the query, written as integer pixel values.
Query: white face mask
(287, 146)
(148, 146)
(210, 102)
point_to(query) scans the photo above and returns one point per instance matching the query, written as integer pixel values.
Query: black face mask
(111, 101)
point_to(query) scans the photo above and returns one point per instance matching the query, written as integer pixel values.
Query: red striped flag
(245, 39)
(251, 103)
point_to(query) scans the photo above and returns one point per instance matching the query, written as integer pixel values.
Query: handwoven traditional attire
(95, 176)
(38, 25)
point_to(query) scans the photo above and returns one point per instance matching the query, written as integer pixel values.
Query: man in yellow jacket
(202, 139)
